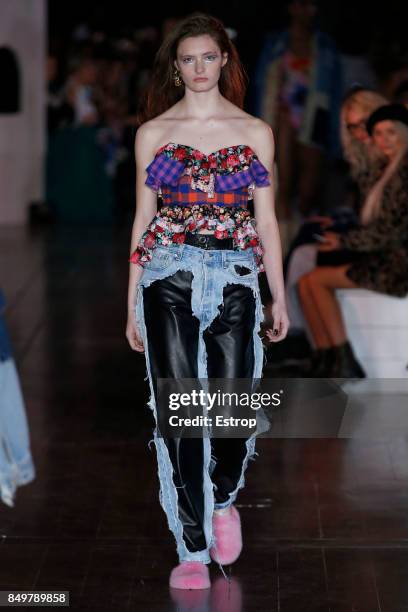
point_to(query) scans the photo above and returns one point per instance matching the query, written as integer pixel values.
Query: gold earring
(177, 80)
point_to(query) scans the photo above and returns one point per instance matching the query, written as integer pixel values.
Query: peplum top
(201, 191)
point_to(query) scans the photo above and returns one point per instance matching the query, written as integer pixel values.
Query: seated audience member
(365, 166)
(381, 243)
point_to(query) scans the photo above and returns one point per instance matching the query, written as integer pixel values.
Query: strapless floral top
(203, 192)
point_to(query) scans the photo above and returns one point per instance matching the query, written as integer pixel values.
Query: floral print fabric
(226, 170)
(171, 222)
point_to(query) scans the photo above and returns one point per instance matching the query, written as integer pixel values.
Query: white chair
(377, 327)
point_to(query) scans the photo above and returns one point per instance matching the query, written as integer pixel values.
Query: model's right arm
(146, 208)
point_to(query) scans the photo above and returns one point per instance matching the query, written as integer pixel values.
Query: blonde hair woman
(366, 164)
(356, 143)
(381, 243)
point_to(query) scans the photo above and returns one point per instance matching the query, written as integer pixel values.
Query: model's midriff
(171, 223)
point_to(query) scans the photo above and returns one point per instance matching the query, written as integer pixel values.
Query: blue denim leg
(16, 464)
(212, 270)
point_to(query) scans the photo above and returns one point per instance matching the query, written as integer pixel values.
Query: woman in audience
(365, 168)
(381, 242)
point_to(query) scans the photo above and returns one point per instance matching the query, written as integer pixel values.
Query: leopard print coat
(382, 245)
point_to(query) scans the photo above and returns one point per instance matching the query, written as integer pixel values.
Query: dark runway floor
(325, 521)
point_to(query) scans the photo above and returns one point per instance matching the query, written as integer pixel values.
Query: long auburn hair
(161, 92)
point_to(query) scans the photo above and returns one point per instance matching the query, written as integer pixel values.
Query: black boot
(326, 363)
(346, 364)
(314, 360)
(321, 363)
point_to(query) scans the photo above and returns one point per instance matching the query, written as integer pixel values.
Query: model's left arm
(268, 232)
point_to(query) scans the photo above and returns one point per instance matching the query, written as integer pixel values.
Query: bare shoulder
(151, 134)
(262, 139)
(261, 132)
(147, 136)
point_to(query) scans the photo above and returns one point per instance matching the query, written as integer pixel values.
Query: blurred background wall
(23, 31)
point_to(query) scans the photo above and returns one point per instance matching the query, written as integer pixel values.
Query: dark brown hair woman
(194, 305)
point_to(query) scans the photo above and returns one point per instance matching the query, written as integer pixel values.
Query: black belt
(208, 241)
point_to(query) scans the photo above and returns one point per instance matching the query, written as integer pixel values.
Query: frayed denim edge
(168, 491)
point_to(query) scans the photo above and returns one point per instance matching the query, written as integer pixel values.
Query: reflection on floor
(325, 520)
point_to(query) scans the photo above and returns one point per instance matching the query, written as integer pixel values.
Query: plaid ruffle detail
(226, 169)
(256, 173)
(163, 170)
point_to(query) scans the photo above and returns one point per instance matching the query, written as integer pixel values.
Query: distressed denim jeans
(211, 273)
(16, 464)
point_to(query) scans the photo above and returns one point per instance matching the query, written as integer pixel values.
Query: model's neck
(201, 105)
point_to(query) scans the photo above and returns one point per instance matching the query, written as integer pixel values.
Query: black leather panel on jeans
(242, 270)
(173, 334)
(230, 350)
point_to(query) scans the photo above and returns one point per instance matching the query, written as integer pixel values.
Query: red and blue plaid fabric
(182, 194)
(183, 175)
(256, 173)
(197, 191)
(163, 170)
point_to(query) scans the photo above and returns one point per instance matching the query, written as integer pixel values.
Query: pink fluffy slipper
(228, 536)
(190, 575)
